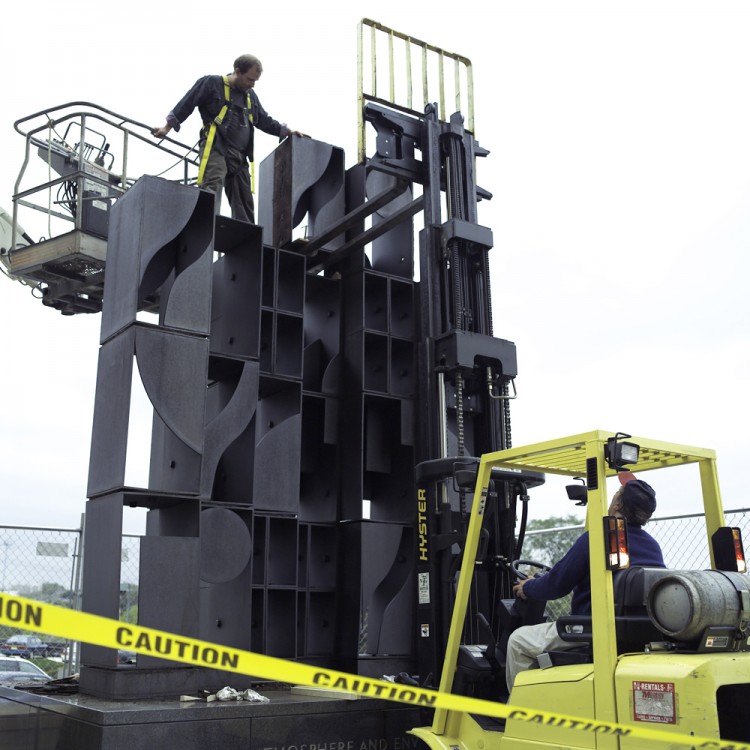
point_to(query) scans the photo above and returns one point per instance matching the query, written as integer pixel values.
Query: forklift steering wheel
(533, 563)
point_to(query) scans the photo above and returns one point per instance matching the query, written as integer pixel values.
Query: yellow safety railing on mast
(401, 93)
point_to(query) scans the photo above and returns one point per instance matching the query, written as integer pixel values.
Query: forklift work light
(619, 454)
(616, 543)
(729, 553)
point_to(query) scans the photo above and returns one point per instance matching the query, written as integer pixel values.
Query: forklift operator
(635, 501)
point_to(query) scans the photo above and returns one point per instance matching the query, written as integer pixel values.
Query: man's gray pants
(230, 170)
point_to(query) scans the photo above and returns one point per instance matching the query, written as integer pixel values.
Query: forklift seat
(632, 624)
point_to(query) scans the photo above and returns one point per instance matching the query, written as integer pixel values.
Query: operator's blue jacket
(571, 573)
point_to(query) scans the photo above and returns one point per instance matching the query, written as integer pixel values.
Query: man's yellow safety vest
(215, 124)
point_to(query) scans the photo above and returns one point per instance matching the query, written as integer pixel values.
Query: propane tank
(682, 605)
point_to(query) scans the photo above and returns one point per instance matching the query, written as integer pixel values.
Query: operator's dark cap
(636, 493)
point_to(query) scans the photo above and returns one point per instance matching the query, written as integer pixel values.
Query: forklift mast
(466, 374)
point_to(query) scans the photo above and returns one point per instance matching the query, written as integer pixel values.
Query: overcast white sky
(619, 135)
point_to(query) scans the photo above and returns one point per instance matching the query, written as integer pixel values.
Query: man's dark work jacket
(207, 94)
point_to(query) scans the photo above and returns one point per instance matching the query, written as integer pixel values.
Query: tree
(129, 602)
(50, 592)
(550, 547)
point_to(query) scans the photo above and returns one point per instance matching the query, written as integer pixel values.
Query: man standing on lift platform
(230, 110)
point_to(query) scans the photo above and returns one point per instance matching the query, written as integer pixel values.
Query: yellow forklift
(663, 649)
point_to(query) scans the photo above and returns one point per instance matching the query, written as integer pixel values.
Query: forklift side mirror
(577, 492)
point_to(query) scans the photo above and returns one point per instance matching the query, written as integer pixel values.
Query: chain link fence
(129, 578)
(45, 564)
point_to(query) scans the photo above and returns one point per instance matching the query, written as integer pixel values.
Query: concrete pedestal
(288, 722)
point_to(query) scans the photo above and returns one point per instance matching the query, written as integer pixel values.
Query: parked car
(126, 657)
(58, 648)
(15, 670)
(24, 645)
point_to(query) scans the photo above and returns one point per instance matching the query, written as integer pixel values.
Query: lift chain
(460, 412)
(455, 269)
(505, 405)
(486, 274)
(460, 430)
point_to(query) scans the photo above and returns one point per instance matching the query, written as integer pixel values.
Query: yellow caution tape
(27, 614)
